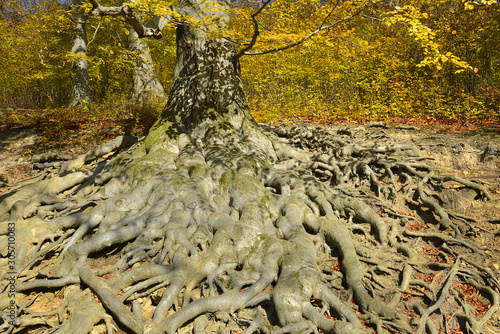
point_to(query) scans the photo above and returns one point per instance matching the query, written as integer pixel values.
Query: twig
(255, 30)
(318, 30)
(95, 32)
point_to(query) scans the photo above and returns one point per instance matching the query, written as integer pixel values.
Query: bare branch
(329, 14)
(321, 28)
(151, 29)
(255, 30)
(95, 32)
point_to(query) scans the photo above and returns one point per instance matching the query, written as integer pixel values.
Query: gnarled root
(222, 230)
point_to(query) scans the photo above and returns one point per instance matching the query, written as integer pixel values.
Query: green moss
(226, 179)
(267, 200)
(265, 238)
(119, 160)
(198, 170)
(265, 164)
(161, 133)
(247, 183)
(149, 164)
(226, 126)
(143, 171)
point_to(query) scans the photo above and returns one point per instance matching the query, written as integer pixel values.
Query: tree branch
(255, 30)
(152, 28)
(95, 32)
(320, 29)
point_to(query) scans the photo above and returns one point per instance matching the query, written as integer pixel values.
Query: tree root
(111, 301)
(186, 234)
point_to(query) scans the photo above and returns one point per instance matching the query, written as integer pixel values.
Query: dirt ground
(473, 155)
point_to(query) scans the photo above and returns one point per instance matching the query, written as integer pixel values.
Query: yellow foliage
(432, 57)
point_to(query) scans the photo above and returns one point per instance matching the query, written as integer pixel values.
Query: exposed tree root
(217, 231)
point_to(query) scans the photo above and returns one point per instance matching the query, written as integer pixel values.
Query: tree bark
(207, 97)
(147, 87)
(207, 82)
(81, 86)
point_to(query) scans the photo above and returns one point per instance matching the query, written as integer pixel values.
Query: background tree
(81, 85)
(147, 87)
(366, 68)
(36, 70)
(40, 72)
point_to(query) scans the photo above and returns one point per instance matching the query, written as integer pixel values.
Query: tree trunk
(81, 87)
(207, 97)
(147, 87)
(206, 83)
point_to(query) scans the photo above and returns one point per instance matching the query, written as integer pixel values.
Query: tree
(215, 216)
(147, 87)
(35, 71)
(367, 67)
(81, 86)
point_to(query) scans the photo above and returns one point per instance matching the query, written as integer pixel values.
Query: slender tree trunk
(81, 87)
(147, 87)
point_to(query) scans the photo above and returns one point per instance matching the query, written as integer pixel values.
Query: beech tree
(214, 223)
(81, 87)
(147, 87)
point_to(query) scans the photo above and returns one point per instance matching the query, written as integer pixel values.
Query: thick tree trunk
(147, 87)
(207, 82)
(207, 97)
(81, 87)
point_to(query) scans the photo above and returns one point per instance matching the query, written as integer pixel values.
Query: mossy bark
(206, 97)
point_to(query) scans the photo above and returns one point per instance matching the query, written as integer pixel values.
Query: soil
(15, 147)
(475, 156)
(472, 155)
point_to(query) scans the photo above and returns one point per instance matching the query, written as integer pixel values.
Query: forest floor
(473, 154)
